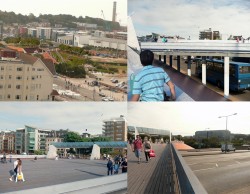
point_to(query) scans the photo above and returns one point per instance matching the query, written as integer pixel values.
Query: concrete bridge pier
(165, 59)
(178, 63)
(204, 73)
(226, 77)
(159, 57)
(170, 60)
(189, 66)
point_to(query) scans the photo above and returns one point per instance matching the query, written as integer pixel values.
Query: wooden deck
(154, 177)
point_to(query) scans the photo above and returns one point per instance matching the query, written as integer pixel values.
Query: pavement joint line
(203, 169)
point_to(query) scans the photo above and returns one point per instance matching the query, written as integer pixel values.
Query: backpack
(147, 145)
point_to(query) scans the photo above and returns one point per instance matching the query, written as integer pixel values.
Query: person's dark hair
(146, 57)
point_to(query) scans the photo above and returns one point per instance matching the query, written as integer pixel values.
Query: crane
(107, 27)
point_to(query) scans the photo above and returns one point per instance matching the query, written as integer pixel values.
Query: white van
(227, 148)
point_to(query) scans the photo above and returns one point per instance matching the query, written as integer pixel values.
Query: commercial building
(222, 135)
(209, 35)
(108, 43)
(25, 77)
(35, 139)
(55, 136)
(116, 128)
(20, 141)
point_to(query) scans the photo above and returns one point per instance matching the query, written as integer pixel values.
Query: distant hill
(63, 19)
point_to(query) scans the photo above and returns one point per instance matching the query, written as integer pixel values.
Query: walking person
(150, 81)
(116, 167)
(138, 148)
(147, 147)
(110, 166)
(19, 174)
(13, 172)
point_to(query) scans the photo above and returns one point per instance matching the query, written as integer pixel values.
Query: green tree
(72, 137)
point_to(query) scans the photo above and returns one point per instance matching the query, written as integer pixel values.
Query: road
(87, 92)
(222, 173)
(234, 96)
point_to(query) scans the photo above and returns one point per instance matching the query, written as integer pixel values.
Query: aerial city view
(204, 47)
(62, 54)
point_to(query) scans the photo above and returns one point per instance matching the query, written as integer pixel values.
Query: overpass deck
(187, 89)
(156, 176)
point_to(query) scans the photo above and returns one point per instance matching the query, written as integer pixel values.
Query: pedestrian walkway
(157, 176)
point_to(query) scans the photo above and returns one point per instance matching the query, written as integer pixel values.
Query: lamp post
(226, 128)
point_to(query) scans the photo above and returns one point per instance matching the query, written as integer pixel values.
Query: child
(149, 82)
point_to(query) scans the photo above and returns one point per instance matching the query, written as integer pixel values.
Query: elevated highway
(190, 48)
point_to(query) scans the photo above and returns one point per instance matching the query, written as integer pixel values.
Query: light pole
(226, 128)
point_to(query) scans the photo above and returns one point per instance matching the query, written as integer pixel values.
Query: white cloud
(187, 117)
(187, 18)
(76, 116)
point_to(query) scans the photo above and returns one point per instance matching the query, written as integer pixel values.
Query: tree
(72, 137)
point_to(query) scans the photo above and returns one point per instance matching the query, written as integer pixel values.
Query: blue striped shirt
(149, 83)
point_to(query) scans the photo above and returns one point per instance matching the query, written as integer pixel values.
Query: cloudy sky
(75, 116)
(185, 118)
(91, 8)
(188, 17)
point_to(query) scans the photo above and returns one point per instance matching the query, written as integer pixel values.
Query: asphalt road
(44, 172)
(222, 173)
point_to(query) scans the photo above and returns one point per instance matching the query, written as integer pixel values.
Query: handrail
(188, 182)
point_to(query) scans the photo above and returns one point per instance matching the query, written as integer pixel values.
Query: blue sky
(91, 8)
(184, 118)
(188, 17)
(76, 116)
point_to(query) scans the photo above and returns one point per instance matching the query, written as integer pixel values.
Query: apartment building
(7, 141)
(32, 32)
(55, 136)
(116, 128)
(25, 77)
(44, 33)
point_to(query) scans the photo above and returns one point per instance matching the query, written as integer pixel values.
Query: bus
(239, 73)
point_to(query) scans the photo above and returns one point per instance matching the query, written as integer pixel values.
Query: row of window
(18, 77)
(33, 86)
(21, 68)
(18, 97)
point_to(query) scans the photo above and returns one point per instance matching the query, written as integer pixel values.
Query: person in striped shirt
(149, 82)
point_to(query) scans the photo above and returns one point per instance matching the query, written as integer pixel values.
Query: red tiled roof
(46, 55)
(180, 145)
(18, 49)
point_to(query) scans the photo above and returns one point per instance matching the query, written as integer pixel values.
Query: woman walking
(19, 175)
(147, 147)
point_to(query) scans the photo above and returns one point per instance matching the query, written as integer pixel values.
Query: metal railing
(188, 182)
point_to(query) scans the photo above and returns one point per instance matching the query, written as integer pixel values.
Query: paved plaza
(44, 172)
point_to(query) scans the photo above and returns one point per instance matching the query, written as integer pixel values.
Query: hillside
(63, 19)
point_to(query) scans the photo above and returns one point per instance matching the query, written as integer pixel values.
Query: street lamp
(226, 127)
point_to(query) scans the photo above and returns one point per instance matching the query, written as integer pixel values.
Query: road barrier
(188, 182)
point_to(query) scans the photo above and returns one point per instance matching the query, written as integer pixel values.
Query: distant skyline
(187, 17)
(73, 7)
(184, 118)
(75, 116)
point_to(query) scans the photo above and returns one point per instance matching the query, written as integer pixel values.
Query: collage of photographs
(125, 97)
